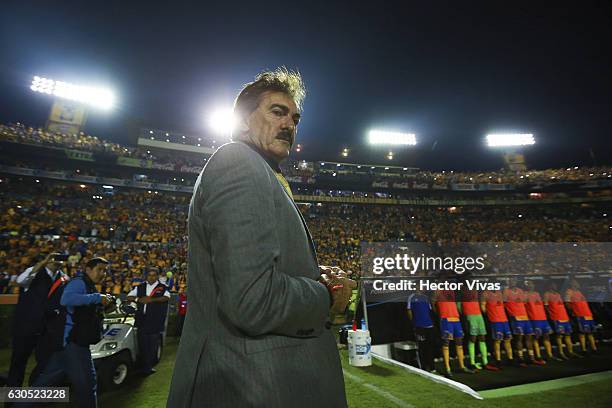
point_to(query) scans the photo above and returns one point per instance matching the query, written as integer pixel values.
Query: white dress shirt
(149, 289)
(26, 277)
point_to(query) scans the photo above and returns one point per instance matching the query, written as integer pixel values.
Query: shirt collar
(51, 274)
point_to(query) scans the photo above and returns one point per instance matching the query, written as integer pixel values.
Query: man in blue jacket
(84, 317)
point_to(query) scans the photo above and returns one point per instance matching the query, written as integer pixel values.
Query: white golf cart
(115, 356)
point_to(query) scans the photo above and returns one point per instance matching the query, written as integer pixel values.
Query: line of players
(518, 314)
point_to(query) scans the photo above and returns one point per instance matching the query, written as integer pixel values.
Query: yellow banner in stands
(67, 112)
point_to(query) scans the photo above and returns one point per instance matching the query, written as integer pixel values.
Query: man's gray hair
(279, 80)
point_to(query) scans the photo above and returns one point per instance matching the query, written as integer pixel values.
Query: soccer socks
(568, 343)
(460, 356)
(446, 357)
(472, 351)
(536, 348)
(592, 342)
(518, 345)
(508, 348)
(497, 350)
(531, 356)
(483, 352)
(582, 339)
(560, 345)
(548, 348)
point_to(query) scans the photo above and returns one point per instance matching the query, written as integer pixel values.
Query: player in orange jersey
(581, 311)
(539, 321)
(450, 328)
(492, 304)
(560, 320)
(522, 329)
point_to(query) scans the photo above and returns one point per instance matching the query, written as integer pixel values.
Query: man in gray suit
(257, 332)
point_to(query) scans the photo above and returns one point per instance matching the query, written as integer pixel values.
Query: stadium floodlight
(222, 121)
(510, 139)
(345, 152)
(381, 137)
(96, 96)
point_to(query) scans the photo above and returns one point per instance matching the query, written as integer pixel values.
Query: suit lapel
(310, 241)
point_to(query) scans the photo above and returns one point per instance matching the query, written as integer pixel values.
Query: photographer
(28, 321)
(152, 306)
(83, 327)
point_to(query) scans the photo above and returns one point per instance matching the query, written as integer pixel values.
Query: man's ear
(242, 126)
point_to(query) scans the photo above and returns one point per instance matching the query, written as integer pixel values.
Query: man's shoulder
(76, 282)
(232, 153)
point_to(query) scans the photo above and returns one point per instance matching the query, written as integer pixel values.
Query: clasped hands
(338, 284)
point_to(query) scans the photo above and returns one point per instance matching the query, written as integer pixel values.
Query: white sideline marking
(434, 377)
(377, 390)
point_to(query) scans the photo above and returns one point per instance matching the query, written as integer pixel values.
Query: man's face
(152, 276)
(273, 125)
(54, 266)
(98, 272)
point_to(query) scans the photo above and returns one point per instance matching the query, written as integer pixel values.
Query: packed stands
(136, 229)
(381, 176)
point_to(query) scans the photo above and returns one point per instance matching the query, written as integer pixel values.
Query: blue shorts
(521, 326)
(562, 327)
(541, 327)
(500, 330)
(585, 325)
(450, 330)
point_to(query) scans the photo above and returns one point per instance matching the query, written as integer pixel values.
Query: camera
(60, 258)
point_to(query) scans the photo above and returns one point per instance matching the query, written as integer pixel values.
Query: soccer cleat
(538, 362)
(467, 370)
(576, 355)
(555, 358)
(448, 374)
(518, 363)
(491, 367)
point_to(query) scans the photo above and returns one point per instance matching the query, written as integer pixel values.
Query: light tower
(69, 109)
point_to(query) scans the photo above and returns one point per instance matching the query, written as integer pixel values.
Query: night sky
(449, 72)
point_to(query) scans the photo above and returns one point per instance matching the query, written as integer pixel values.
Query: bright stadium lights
(222, 121)
(381, 137)
(298, 148)
(345, 152)
(96, 96)
(390, 156)
(510, 139)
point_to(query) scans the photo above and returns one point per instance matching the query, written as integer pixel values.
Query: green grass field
(381, 385)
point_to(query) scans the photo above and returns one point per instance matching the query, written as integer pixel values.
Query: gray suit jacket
(256, 332)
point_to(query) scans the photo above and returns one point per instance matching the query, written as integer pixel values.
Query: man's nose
(288, 124)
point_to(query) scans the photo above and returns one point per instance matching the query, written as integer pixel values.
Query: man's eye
(277, 112)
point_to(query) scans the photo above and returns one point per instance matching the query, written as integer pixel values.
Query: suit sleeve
(239, 214)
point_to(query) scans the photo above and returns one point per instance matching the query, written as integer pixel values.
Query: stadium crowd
(19, 133)
(136, 229)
